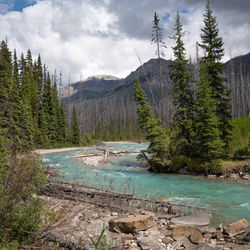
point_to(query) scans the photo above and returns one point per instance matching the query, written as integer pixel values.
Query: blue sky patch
(15, 5)
(166, 17)
(185, 11)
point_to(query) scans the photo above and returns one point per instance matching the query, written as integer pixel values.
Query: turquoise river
(230, 199)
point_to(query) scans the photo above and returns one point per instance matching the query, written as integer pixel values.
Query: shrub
(213, 167)
(20, 209)
(241, 153)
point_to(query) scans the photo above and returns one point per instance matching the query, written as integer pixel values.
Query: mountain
(105, 98)
(101, 86)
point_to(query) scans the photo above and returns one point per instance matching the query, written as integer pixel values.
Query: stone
(246, 177)
(247, 237)
(183, 171)
(181, 231)
(132, 223)
(211, 176)
(205, 246)
(187, 244)
(195, 220)
(127, 237)
(208, 230)
(236, 228)
(167, 240)
(174, 210)
(234, 176)
(148, 243)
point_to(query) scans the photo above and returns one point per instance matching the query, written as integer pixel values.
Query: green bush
(213, 167)
(242, 153)
(20, 208)
(240, 135)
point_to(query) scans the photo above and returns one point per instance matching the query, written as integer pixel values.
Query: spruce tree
(49, 121)
(182, 128)
(157, 37)
(212, 44)
(155, 133)
(76, 135)
(209, 144)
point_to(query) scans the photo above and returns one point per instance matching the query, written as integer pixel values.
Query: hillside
(104, 98)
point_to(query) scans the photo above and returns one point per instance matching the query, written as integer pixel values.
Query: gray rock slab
(195, 220)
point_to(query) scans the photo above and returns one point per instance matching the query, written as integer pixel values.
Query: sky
(93, 37)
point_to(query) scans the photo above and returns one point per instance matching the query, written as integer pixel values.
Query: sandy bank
(56, 150)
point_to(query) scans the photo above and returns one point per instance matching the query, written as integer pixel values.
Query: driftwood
(105, 153)
(112, 199)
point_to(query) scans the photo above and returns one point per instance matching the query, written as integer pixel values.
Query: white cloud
(99, 36)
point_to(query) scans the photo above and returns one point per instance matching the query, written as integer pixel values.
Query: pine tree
(155, 133)
(49, 121)
(76, 135)
(61, 124)
(182, 128)
(213, 47)
(209, 144)
(157, 38)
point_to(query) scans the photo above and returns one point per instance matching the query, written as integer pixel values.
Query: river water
(230, 199)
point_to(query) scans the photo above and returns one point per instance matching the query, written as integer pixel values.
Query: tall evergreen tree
(182, 128)
(76, 135)
(209, 144)
(157, 38)
(49, 122)
(212, 44)
(155, 133)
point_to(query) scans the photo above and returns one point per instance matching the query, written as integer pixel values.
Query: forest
(198, 126)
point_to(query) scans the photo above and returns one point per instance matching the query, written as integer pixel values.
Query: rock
(211, 176)
(208, 230)
(167, 240)
(148, 243)
(183, 171)
(234, 176)
(220, 228)
(174, 210)
(153, 231)
(205, 246)
(246, 177)
(247, 237)
(132, 223)
(127, 237)
(196, 220)
(207, 236)
(181, 231)
(236, 228)
(187, 244)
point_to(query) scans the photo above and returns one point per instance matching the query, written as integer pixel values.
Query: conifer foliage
(155, 133)
(76, 136)
(182, 127)
(201, 124)
(209, 144)
(30, 113)
(212, 45)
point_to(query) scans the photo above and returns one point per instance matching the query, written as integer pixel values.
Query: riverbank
(78, 208)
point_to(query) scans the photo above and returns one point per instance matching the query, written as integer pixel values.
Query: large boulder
(195, 220)
(183, 231)
(236, 228)
(131, 223)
